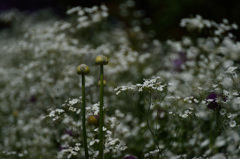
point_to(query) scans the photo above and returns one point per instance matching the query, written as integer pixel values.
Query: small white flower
(52, 113)
(234, 26)
(118, 92)
(160, 88)
(232, 124)
(229, 115)
(73, 101)
(76, 148)
(146, 155)
(223, 111)
(195, 100)
(235, 94)
(231, 70)
(92, 142)
(79, 110)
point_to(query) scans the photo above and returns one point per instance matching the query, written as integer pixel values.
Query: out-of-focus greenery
(164, 14)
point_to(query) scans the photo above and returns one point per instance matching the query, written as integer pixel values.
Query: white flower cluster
(114, 145)
(55, 114)
(93, 109)
(151, 153)
(199, 23)
(72, 105)
(69, 105)
(231, 70)
(14, 154)
(149, 85)
(70, 151)
(195, 23)
(11, 16)
(88, 16)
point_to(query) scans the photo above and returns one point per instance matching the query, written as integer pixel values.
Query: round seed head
(83, 69)
(101, 60)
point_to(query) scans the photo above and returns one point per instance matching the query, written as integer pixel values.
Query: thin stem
(154, 137)
(101, 135)
(83, 118)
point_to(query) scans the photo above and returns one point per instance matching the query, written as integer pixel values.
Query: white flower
(93, 142)
(229, 115)
(223, 111)
(73, 101)
(78, 112)
(146, 155)
(232, 123)
(184, 116)
(195, 100)
(76, 148)
(231, 70)
(160, 88)
(52, 113)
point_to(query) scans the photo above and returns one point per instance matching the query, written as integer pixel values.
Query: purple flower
(211, 101)
(178, 63)
(61, 148)
(130, 157)
(33, 99)
(69, 132)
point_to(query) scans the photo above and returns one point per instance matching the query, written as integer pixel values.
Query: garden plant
(143, 99)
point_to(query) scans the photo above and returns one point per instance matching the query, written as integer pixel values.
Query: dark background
(165, 14)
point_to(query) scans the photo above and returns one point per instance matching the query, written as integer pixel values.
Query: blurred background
(165, 15)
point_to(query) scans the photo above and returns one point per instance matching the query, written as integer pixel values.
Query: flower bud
(93, 120)
(101, 60)
(104, 83)
(83, 69)
(15, 113)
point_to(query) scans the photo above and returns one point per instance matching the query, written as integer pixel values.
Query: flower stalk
(84, 70)
(101, 135)
(83, 118)
(101, 60)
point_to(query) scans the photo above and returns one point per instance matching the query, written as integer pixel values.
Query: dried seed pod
(83, 69)
(101, 60)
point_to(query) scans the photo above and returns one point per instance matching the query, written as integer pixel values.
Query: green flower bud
(93, 120)
(83, 69)
(101, 60)
(15, 113)
(104, 82)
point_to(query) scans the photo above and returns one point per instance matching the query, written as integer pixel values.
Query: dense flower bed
(173, 99)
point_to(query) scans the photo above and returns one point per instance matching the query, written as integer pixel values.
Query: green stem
(101, 114)
(148, 124)
(83, 118)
